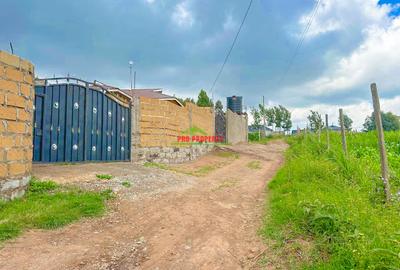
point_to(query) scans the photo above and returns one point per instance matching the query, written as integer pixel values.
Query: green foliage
(390, 122)
(48, 205)
(315, 120)
(256, 118)
(347, 122)
(338, 202)
(254, 136)
(186, 100)
(219, 108)
(104, 176)
(277, 115)
(286, 118)
(203, 100)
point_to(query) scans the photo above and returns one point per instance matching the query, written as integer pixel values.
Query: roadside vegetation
(48, 205)
(104, 176)
(328, 211)
(254, 165)
(255, 137)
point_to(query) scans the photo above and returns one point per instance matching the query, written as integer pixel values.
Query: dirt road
(208, 221)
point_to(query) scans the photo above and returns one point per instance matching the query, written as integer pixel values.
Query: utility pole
(130, 72)
(264, 131)
(134, 79)
(381, 140)
(327, 130)
(343, 132)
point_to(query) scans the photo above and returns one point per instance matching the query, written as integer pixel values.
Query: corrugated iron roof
(155, 93)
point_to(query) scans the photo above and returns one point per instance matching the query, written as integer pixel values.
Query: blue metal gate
(79, 122)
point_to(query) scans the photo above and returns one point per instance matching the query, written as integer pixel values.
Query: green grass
(254, 165)
(156, 165)
(202, 171)
(48, 205)
(227, 154)
(336, 203)
(104, 176)
(126, 184)
(194, 131)
(225, 184)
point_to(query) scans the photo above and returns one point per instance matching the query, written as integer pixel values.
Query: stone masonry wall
(16, 117)
(170, 155)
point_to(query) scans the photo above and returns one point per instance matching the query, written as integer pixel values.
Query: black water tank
(235, 104)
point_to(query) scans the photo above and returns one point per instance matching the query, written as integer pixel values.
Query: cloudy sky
(179, 45)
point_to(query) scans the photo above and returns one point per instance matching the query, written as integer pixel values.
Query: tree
(286, 118)
(278, 116)
(389, 122)
(347, 122)
(186, 100)
(270, 116)
(203, 100)
(219, 107)
(316, 122)
(256, 118)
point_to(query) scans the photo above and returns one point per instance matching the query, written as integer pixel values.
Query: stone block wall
(236, 127)
(16, 118)
(170, 155)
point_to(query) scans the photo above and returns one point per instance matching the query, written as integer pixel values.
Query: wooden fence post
(327, 130)
(381, 140)
(343, 132)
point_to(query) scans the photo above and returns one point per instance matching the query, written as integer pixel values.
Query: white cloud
(182, 15)
(150, 1)
(374, 60)
(335, 15)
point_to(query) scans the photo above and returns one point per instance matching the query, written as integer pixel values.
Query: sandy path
(210, 223)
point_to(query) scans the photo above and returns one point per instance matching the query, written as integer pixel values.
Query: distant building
(267, 129)
(334, 128)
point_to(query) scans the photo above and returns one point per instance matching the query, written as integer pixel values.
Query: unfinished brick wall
(156, 125)
(162, 121)
(16, 117)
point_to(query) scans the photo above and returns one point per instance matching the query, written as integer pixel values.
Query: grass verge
(331, 206)
(254, 165)
(48, 205)
(104, 176)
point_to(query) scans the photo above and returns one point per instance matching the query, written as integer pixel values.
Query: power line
(301, 41)
(233, 45)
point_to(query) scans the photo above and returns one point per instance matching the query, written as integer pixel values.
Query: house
(154, 93)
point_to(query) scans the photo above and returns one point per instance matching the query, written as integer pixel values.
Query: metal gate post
(85, 121)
